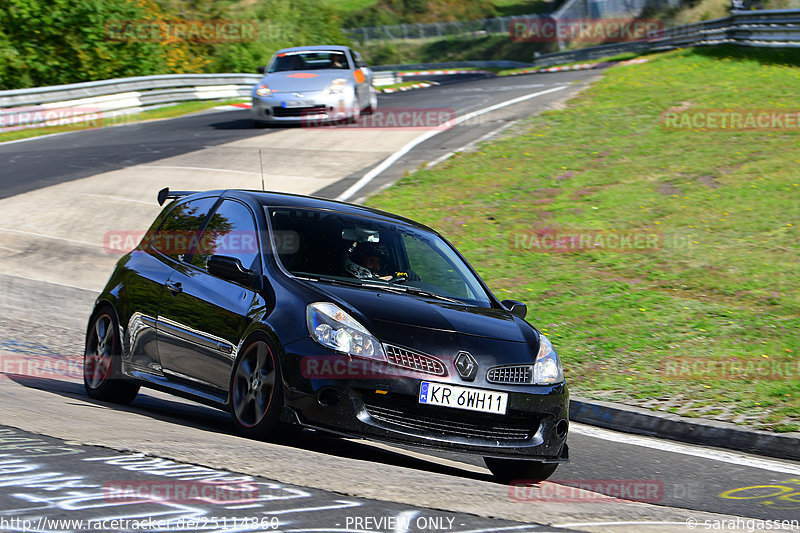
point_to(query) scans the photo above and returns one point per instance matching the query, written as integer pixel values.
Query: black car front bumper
(387, 409)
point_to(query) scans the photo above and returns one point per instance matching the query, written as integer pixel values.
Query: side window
(181, 227)
(231, 231)
(358, 59)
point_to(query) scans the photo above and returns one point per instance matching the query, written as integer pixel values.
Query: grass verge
(171, 111)
(718, 292)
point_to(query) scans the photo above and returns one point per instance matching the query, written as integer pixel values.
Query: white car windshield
(308, 60)
(339, 247)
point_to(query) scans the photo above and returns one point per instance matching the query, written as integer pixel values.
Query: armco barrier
(779, 28)
(123, 95)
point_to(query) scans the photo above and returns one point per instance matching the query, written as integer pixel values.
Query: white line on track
(686, 449)
(389, 161)
(37, 137)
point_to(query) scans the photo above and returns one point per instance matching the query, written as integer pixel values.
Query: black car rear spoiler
(166, 194)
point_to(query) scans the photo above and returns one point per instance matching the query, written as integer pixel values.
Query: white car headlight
(333, 328)
(337, 86)
(263, 90)
(547, 367)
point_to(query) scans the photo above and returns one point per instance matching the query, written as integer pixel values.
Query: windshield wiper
(422, 292)
(384, 286)
(347, 282)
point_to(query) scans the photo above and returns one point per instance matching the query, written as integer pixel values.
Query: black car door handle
(174, 287)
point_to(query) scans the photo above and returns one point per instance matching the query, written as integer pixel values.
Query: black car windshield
(316, 60)
(339, 247)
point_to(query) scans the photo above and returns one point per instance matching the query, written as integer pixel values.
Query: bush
(65, 41)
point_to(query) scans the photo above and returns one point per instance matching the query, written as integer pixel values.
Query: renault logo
(467, 366)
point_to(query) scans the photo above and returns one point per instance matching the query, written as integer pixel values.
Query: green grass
(171, 111)
(508, 8)
(347, 6)
(724, 283)
(504, 8)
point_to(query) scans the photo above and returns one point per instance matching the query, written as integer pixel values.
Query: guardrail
(90, 100)
(773, 28)
(384, 77)
(499, 63)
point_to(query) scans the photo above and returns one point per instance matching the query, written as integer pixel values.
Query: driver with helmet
(365, 260)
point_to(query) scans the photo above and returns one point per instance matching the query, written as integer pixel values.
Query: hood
(374, 307)
(303, 80)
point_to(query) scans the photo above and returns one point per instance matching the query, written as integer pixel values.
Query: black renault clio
(291, 310)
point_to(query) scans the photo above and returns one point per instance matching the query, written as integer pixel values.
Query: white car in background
(314, 84)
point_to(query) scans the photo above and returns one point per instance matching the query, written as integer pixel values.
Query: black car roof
(277, 199)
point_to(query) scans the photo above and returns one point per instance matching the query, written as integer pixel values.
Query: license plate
(463, 398)
(295, 103)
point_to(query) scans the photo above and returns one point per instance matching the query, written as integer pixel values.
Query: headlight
(335, 329)
(337, 86)
(263, 90)
(547, 368)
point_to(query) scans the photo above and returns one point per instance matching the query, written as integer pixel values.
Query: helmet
(356, 264)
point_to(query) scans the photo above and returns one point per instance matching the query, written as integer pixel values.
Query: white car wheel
(373, 100)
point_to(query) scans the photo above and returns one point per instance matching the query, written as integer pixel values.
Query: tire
(356, 116)
(256, 391)
(507, 470)
(373, 102)
(102, 360)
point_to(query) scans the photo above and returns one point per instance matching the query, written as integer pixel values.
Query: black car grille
(513, 375)
(414, 361)
(404, 412)
(298, 111)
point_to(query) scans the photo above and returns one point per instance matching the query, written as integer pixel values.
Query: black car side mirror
(517, 308)
(230, 268)
(261, 70)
